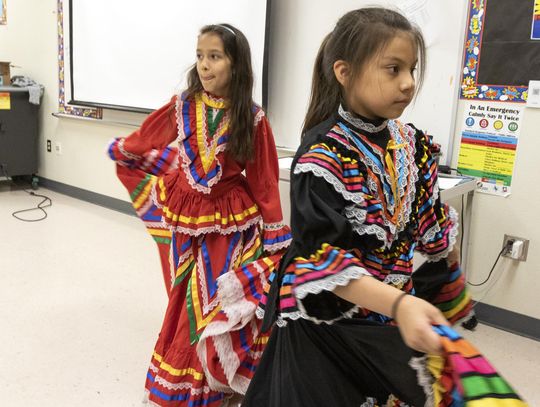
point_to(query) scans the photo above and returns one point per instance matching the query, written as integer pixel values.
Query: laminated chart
(488, 147)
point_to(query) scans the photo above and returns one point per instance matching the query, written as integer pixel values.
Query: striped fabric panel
(344, 174)
(429, 220)
(343, 169)
(156, 162)
(454, 299)
(466, 378)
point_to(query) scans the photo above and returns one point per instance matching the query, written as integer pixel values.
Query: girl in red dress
(209, 221)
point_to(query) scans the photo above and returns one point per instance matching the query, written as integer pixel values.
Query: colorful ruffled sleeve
(333, 222)
(148, 148)
(263, 178)
(437, 222)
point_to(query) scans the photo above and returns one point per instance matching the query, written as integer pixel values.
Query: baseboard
(518, 324)
(88, 196)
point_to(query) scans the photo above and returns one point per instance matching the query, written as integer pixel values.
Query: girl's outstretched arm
(413, 315)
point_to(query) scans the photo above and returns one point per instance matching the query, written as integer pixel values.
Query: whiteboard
(297, 29)
(134, 54)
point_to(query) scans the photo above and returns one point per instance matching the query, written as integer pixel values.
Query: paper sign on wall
(488, 145)
(5, 101)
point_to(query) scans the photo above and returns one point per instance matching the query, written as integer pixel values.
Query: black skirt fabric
(346, 364)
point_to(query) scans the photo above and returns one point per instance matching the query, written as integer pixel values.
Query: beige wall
(30, 41)
(516, 286)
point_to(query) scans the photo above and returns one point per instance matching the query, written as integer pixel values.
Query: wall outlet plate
(524, 250)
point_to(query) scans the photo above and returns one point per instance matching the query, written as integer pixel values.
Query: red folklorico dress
(209, 221)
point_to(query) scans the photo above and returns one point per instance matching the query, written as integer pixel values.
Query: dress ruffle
(462, 376)
(239, 292)
(187, 211)
(276, 237)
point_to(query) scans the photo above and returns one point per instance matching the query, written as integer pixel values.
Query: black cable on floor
(45, 203)
(491, 271)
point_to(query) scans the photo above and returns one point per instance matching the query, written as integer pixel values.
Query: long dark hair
(358, 36)
(241, 130)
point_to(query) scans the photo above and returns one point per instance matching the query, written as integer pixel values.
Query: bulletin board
(502, 50)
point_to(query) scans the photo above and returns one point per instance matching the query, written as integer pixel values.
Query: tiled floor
(81, 302)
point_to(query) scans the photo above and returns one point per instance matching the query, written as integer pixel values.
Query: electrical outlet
(58, 148)
(515, 248)
(49, 146)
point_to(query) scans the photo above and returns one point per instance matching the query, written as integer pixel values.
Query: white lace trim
(356, 218)
(240, 313)
(181, 386)
(331, 179)
(277, 246)
(228, 359)
(344, 315)
(316, 287)
(435, 192)
(425, 379)
(406, 164)
(123, 151)
(258, 117)
(328, 284)
(176, 386)
(373, 166)
(358, 122)
(370, 402)
(452, 237)
(331, 282)
(207, 306)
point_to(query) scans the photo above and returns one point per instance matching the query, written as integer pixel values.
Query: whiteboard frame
(134, 109)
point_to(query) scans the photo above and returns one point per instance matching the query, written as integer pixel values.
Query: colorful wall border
(470, 89)
(64, 108)
(3, 11)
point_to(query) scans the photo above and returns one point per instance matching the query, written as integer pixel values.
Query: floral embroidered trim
(274, 226)
(396, 279)
(358, 122)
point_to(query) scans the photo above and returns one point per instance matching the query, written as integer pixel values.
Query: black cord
(491, 271)
(40, 206)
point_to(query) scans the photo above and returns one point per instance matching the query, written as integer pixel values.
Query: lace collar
(359, 123)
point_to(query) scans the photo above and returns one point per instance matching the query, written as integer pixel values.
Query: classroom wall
(30, 41)
(513, 285)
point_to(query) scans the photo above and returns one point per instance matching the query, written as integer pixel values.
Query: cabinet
(18, 133)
